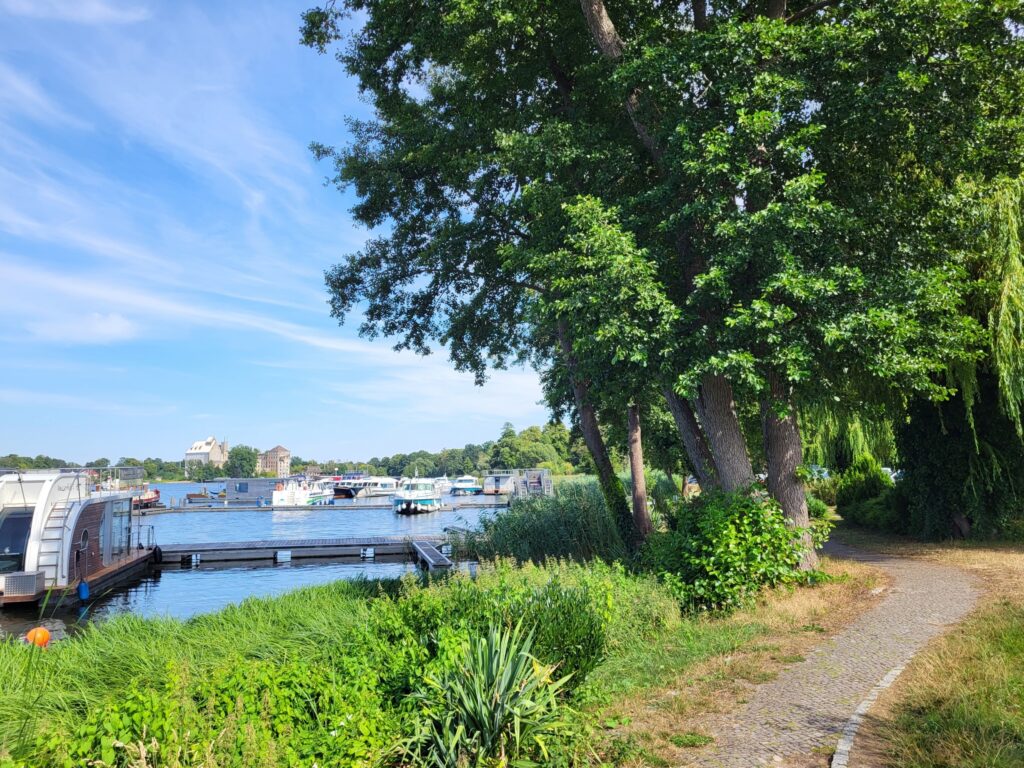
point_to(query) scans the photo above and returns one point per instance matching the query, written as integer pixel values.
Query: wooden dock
(430, 556)
(423, 549)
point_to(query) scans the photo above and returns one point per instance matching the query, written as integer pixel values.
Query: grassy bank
(960, 702)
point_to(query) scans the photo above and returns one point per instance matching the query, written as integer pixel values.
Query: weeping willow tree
(834, 438)
(964, 458)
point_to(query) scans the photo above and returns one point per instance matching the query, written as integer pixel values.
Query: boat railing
(145, 536)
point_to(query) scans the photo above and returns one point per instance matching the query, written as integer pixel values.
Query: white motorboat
(417, 496)
(302, 493)
(369, 487)
(467, 485)
(443, 484)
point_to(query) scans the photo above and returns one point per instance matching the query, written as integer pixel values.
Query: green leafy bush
(723, 548)
(823, 488)
(862, 481)
(497, 705)
(816, 508)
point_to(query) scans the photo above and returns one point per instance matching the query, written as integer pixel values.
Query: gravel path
(804, 710)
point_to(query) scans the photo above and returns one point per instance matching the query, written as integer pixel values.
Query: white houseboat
(519, 482)
(61, 530)
(416, 496)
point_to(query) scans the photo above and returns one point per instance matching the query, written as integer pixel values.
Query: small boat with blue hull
(416, 497)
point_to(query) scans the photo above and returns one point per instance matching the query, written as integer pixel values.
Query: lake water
(183, 593)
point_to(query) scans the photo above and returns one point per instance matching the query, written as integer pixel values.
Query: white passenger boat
(417, 496)
(302, 493)
(443, 484)
(467, 485)
(369, 487)
(68, 530)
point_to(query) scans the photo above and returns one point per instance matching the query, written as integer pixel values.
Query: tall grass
(573, 524)
(964, 702)
(348, 652)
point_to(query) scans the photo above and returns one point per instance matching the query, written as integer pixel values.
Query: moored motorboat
(443, 484)
(302, 493)
(467, 485)
(149, 497)
(417, 496)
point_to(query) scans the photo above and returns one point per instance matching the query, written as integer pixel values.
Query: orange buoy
(39, 636)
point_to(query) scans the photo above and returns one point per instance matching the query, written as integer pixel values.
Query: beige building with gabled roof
(277, 462)
(207, 451)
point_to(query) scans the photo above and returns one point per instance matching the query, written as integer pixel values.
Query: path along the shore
(804, 711)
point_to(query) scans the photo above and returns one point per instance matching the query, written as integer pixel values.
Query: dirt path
(797, 719)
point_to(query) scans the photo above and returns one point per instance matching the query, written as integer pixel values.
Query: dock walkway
(289, 549)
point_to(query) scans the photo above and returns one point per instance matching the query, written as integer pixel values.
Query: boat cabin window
(242, 487)
(15, 527)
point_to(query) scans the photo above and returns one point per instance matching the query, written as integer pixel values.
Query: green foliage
(574, 523)
(321, 675)
(242, 462)
(864, 480)
(722, 549)
(816, 508)
(963, 469)
(823, 488)
(495, 706)
(202, 473)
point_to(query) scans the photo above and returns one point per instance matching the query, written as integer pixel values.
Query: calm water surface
(185, 593)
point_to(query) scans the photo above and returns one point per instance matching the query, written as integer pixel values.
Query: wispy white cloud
(88, 328)
(77, 11)
(21, 94)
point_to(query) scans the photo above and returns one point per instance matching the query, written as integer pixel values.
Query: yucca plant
(498, 706)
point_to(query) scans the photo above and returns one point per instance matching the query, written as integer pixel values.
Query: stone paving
(804, 710)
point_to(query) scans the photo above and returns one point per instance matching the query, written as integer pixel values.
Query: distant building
(277, 462)
(207, 451)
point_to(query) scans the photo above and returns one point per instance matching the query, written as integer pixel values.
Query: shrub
(574, 523)
(816, 508)
(496, 706)
(724, 547)
(823, 488)
(862, 481)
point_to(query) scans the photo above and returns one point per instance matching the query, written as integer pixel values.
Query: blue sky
(163, 236)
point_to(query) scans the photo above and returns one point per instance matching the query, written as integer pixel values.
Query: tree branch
(700, 15)
(612, 47)
(810, 9)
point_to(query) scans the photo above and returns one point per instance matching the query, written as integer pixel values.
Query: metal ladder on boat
(51, 543)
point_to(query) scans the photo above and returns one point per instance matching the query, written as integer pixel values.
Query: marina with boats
(83, 541)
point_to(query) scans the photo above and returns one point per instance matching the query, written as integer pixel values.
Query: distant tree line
(551, 447)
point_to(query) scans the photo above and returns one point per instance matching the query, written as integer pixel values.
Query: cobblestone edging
(812, 705)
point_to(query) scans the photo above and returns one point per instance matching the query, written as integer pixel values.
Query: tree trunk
(717, 413)
(785, 454)
(611, 486)
(641, 515)
(696, 446)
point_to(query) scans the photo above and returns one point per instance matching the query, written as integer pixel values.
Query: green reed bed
(574, 524)
(327, 674)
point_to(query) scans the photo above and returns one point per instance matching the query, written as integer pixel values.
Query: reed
(574, 524)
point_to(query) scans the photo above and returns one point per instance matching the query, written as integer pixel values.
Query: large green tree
(242, 461)
(785, 168)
